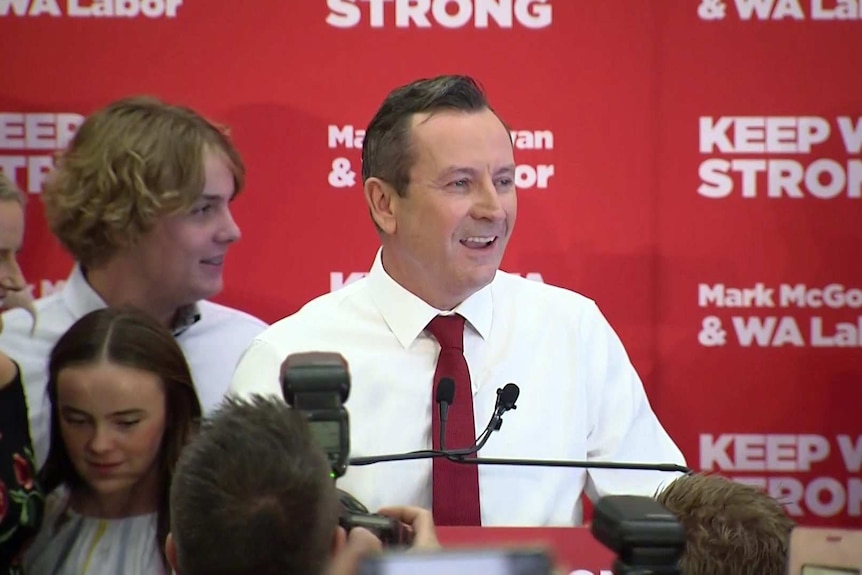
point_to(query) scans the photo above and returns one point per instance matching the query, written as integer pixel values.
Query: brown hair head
(731, 528)
(129, 338)
(129, 163)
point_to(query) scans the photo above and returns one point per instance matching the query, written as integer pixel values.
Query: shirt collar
(81, 299)
(78, 296)
(185, 318)
(407, 315)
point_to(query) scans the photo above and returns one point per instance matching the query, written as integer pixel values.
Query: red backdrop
(697, 171)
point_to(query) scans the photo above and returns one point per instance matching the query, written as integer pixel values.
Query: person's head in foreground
(731, 528)
(253, 494)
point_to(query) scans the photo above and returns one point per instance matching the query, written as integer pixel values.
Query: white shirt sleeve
(623, 427)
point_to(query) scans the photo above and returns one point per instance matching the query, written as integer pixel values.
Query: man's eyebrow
(454, 169)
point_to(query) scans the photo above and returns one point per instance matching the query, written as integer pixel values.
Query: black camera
(647, 538)
(318, 384)
(391, 532)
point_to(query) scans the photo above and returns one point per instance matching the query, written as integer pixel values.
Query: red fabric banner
(694, 167)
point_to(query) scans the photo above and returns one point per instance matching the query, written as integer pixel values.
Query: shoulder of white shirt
(542, 292)
(212, 312)
(18, 322)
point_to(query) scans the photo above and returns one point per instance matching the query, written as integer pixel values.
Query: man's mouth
(479, 242)
(217, 261)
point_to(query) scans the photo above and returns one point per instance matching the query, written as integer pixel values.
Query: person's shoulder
(322, 324)
(523, 291)
(330, 309)
(216, 314)
(334, 301)
(56, 503)
(533, 302)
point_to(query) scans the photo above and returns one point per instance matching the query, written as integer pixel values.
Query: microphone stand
(459, 458)
(462, 455)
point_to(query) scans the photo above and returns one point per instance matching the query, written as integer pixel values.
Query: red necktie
(455, 485)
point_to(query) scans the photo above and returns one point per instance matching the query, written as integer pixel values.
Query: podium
(573, 549)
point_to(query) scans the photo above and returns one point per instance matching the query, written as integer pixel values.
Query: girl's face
(112, 420)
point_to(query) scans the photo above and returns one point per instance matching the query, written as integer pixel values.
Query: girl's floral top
(21, 502)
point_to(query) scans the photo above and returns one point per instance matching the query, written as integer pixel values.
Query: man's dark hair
(731, 528)
(252, 494)
(387, 151)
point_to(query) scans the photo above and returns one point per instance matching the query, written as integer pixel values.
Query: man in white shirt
(438, 171)
(141, 199)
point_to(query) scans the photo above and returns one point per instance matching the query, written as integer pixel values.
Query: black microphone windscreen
(509, 396)
(446, 390)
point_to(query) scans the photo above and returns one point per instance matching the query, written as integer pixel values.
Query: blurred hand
(8, 370)
(360, 543)
(22, 298)
(422, 523)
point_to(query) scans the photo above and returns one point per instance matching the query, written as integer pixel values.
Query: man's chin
(479, 279)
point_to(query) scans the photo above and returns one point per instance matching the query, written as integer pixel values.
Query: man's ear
(171, 553)
(382, 201)
(339, 540)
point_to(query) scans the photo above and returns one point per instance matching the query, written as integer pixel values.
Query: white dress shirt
(581, 398)
(212, 344)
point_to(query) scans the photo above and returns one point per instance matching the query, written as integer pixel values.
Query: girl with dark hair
(122, 407)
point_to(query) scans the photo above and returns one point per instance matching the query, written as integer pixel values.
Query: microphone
(445, 396)
(506, 398)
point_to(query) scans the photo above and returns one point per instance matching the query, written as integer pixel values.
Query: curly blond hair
(731, 528)
(130, 163)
